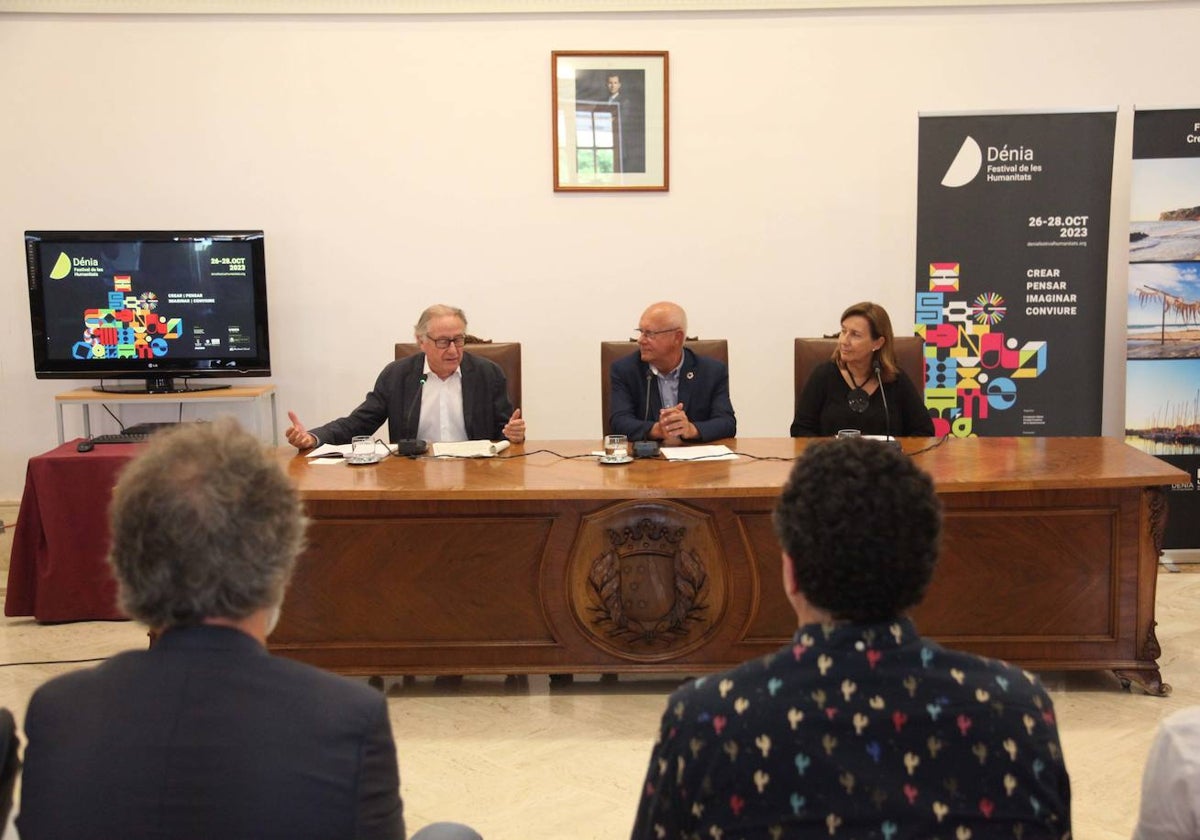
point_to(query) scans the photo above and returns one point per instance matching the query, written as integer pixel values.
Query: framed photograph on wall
(609, 112)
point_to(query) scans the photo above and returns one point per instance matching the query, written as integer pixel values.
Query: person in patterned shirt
(859, 728)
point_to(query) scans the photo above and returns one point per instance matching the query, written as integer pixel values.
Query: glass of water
(362, 449)
(616, 447)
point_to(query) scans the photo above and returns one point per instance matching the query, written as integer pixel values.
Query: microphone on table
(887, 415)
(649, 376)
(412, 446)
(646, 448)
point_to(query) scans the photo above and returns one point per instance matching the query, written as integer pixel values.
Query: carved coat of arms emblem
(647, 586)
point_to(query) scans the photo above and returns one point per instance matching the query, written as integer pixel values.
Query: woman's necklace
(857, 399)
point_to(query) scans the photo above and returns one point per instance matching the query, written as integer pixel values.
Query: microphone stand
(412, 446)
(646, 448)
(887, 415)
(646, 416)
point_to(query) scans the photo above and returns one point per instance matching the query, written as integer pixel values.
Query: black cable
(697, 458)
(548, 452)
(756, 457)
(936, 443)
(115, 417)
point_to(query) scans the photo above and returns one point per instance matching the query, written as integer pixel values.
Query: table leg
(1149, 679)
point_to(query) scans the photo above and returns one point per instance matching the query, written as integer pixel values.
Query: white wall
(399, 161)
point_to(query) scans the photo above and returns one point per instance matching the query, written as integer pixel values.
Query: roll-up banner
(1012, 246)
(1162, 371)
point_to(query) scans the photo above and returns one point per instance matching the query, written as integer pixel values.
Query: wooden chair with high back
(811, 352)
(610, 351)
(507, 354)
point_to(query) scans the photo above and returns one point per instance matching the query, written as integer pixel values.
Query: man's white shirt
(442, 407)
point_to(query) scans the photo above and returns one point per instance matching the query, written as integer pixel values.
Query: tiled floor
(530, 762)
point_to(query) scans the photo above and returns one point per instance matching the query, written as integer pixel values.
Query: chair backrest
(610, 351)
(507, 354)
(910, 355)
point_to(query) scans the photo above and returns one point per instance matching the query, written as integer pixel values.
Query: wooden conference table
(543, 564)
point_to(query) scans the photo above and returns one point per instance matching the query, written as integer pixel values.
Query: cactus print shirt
(858, 731)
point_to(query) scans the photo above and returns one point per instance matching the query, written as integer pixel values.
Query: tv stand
(86, 397)
(159, 385)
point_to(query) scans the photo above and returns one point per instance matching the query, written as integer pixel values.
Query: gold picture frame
(610, 121)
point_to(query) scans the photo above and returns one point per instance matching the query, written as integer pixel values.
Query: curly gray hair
(205, 524)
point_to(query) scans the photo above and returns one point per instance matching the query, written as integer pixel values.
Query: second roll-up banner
(1162, 371)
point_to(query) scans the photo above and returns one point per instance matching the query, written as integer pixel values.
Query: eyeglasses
(444, 343)
(640, 333)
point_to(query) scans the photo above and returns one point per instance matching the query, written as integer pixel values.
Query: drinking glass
(616, 448)
(362, 449)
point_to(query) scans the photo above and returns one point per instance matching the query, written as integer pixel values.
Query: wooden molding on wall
(489, 7)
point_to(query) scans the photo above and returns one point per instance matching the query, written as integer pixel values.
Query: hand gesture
(514, 429)
(297, 435)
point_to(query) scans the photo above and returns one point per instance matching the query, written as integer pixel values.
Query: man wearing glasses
(664, 391)
(442, 394)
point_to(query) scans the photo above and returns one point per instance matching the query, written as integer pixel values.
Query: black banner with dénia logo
(1162, 369)
(1012, 247)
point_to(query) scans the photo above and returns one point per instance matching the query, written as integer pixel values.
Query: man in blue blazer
(664, 391)
(206, 735)
(440, 394)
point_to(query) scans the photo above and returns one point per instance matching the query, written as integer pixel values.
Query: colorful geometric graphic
(128, 328)
(971, 370)
(943, 277)
(989, 309)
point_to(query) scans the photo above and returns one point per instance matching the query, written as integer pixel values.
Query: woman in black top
(844, 393)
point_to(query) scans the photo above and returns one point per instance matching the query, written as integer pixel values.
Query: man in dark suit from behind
(664, 391)
(205, 734)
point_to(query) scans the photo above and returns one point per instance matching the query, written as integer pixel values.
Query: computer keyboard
(122, 437)
(139, 433)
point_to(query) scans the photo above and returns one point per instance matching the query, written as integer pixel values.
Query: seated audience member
(844, 393)
(859, 727)
(1170, 808)
(440, 395)
(207, 735)
(664, 391)
(10, 763)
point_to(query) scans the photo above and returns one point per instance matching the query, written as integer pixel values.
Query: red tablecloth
(58, 572)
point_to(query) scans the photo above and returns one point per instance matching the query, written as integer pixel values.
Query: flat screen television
(159, 306)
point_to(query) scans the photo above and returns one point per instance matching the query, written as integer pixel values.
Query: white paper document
(716, 452)
(470, 448)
